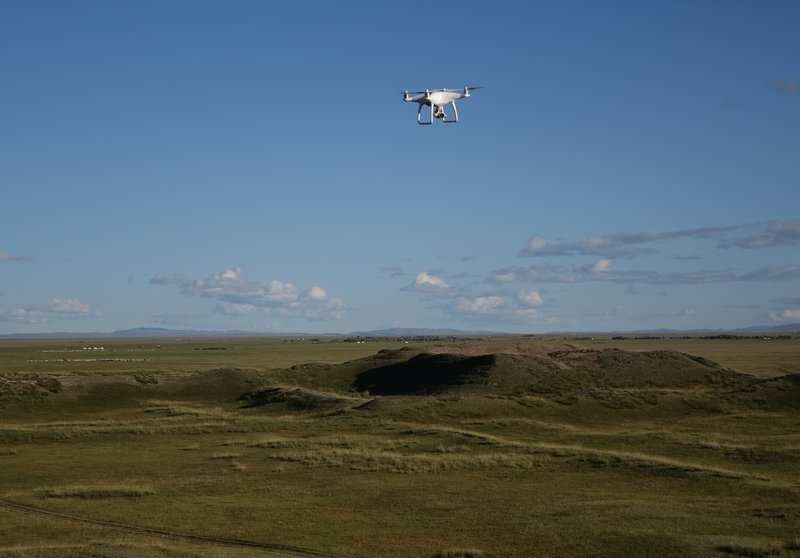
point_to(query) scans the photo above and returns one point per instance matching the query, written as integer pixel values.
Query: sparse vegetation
(444, 447)
(95, 492)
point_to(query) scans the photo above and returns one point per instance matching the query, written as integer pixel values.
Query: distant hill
(142, 332)
(769, 329)
(782, 328)
(164, 332)
(149, 332)
(419, 331)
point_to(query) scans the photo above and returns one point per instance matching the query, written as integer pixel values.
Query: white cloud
(603, 270)
(505, 277)
(239, 295)
(776, 232)
(623, 245)
(602, 265)
(479, 305)
(317, 293)
(427, 283)
(528, 313)
(788, 314)
(530, 298)
(536, 244)
(58, 308)
(71, 307)
(24, 316)
(779, 232)
(278, 291)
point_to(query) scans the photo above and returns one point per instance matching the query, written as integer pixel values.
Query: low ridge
(571, 370)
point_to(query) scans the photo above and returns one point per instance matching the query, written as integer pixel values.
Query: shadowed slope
(556, 372)
(427, 373)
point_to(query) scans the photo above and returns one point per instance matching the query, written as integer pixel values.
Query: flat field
(424, 447)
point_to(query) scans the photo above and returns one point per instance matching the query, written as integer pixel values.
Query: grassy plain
(548, 447)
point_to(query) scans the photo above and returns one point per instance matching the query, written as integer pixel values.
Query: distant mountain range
(158, 332)
(417, 331)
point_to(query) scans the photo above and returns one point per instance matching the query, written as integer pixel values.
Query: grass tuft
(97, 492)
(375, 460)
(461, 553)
(225, 455)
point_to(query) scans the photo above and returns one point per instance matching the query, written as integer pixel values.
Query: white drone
(437, 99)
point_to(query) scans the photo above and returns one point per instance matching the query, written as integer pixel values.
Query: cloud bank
(601, 271)
(512, 294)
(57, 309)
(237, 295)
(778, 232)
(426, 282)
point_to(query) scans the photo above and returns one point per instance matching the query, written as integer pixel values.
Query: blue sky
(251, 165)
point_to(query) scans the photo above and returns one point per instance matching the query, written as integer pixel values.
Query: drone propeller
(429, 91)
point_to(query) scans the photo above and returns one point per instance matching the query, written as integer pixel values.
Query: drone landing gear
(455, 113)
(419, 116)
(438, 113)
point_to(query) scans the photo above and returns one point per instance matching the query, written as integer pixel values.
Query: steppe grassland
(761, 355)
(176, 355)
(446, 475)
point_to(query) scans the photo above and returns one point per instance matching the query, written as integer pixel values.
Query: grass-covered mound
(299, 399)
(612, 377)
(20, 392)
(26, 388)
(573, 370)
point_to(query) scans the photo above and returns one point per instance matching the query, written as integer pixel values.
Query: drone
(437, 99)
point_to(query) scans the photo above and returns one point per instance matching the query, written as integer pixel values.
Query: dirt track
(279, 549)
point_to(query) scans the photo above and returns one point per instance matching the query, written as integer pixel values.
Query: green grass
(760, 356)
(177, 356)
(559, 472)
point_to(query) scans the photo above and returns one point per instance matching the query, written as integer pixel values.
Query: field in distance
(421, 447)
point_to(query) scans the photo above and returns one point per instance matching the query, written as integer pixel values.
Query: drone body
(437, 99)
